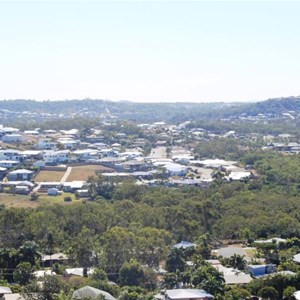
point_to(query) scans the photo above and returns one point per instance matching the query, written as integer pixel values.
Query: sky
(149, 51)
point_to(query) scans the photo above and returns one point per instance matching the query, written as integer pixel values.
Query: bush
(34, 197)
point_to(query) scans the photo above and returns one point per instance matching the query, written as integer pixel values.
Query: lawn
(84, 172)
(46, 175)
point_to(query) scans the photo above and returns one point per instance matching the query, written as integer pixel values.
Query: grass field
(84, 172)
(9, 200)
(46, 175)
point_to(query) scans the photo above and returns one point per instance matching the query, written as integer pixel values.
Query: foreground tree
(268, 293)
(175, 260)
(131, 273)
(23, 273)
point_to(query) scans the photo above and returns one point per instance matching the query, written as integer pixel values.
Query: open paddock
(82, 173)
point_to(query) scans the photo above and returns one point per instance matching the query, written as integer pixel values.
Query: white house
(54, 157)
(68, 143)
(9, 163)
(175, 169)
(108, 153)
(31, 132)
(11, 154)
(47, 144)
(86, 154)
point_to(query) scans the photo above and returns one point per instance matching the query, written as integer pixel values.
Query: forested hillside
(151, 112)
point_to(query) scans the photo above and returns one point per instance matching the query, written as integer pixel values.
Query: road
(66, 175)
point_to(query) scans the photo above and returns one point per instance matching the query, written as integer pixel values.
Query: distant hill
(272, 106)
(151, 112)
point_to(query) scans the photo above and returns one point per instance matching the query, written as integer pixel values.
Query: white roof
(296, 258)
(43, 273)
(239, 175)
(21, 171)
(25, 183)
(16, 296)
(233, 276)
(55, 256)
(276, 240)
(88, 292)
(78, 271)
(74, 184)
(31, 152)
(82, 151)
(5, 290)
(297, 295)
(188, 294)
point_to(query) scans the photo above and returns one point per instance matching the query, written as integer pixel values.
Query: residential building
(20, 174)
(11, 154)
(47, 144)
(13, 138)
(55, 157)
(187, 294)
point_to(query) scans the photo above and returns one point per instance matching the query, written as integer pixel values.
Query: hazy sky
(149, 50)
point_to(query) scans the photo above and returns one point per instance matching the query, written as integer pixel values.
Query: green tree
(99, 274)
(288, 292)
(268, 293)
(209, 279)
(237, 293)
(84, 249)
(131, 273)
(237, 261)
(29, 252)
(119, 244)
(175, 260)
(23, 273)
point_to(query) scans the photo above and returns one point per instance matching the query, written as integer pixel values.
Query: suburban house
(73, 186)
(82, 193)
(184, 245)
(111, 161)
(135, 165)
(46, 144)
(187, 294)
(31, 132)
(175, 169)
(108, 152)
(33, 154)
(68, 143)
(232, 276)
(11, 154)
(13, 138)
(9, 163)
(49, 260)
(85, 154)
(19, 187)
(262, 270)
(88, 292)
(20, 174)
(55, 157)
